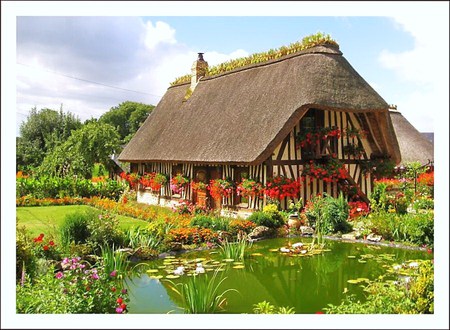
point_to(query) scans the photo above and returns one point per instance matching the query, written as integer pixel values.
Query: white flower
(414, 265)
(297, 245)
(285, 250)
(397, 267)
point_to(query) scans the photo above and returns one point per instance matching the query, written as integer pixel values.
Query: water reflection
(306, 283)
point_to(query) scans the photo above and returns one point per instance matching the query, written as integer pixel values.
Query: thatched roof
(414, 147)
(239, 117)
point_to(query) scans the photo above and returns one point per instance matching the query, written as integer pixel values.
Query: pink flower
(124, 291)
(113, 273)
(95, 276)
(119, 310)
(59, 275)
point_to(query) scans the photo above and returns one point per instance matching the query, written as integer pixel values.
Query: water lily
(199, 269)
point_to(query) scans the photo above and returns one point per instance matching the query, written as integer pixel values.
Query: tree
(41, 132)
(127, 117)
(92, 143)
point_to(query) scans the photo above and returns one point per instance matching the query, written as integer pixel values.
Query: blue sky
(57, 53)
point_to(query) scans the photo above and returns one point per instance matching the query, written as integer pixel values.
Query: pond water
(306, 283)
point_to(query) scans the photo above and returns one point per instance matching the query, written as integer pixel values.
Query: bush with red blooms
(357, 209)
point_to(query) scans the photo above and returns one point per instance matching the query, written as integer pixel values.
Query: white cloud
(160, 33)
(425, 67)
(62, 58)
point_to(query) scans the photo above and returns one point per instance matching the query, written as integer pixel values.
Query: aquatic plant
(200, 294)
(235, 250)
(114, 262)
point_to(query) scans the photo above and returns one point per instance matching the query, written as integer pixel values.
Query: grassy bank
(47, 219)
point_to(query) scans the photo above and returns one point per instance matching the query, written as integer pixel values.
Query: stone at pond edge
(261, 232)
(306, 231)
(348, 236)
(374, 238)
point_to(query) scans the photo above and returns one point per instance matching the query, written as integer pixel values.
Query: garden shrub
(57, 187)
(75, 289)
(190, 236)
(332, 213)
(74, 229)
(237, 226)
(104, 230)
(269, 217)
(26, 260)
(202, 221)
(416, 228)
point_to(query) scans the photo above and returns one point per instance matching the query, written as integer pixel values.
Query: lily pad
(200, 259)
(238, 266)
(228, 260)
(353, 281)
(351, 257)
(172, 276)
(152, 270)
(362, 261)
(238, 263)
(216, 262)
(169, 257)
(363, 279)
(273, 250)
(156, 277)
(162, 267)
(256, 254)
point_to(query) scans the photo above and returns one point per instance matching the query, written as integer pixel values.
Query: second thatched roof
(239, 117)
(414, 147)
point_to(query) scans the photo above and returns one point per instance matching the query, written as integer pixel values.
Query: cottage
(300, 124)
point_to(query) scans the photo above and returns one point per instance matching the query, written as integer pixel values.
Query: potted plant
(178, 183)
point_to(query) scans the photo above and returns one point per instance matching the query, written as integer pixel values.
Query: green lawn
(47, 219)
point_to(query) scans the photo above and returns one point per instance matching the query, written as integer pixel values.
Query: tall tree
(41, 132)
(127, 117)
(93, 143)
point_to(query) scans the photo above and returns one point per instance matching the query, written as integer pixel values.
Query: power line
(89, 81)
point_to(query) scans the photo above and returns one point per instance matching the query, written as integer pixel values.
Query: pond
(306, 283)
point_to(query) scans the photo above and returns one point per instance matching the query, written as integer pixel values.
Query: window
(312, 120)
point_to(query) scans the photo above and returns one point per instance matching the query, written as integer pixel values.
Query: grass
(48, 219)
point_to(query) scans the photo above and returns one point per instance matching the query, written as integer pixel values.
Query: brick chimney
(199, 70)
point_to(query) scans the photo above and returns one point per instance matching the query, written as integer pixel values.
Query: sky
(90, 56)
(86, 65)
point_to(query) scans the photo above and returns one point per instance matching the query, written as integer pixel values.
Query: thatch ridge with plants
(314, 40)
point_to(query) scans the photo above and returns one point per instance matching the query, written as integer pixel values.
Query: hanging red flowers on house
(220, 188)
(249, 188)
(131, 178)
(153, 180)
(280, 187)
(178, 183)
(330, 170)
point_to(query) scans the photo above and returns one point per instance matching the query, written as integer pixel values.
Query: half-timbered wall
(287, 160)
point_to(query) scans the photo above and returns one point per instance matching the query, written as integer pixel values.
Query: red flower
(46, 247)
(320, 312)
(113, 289)
(39, 238)
(51, 243)
(123, 306)
(119, 300)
